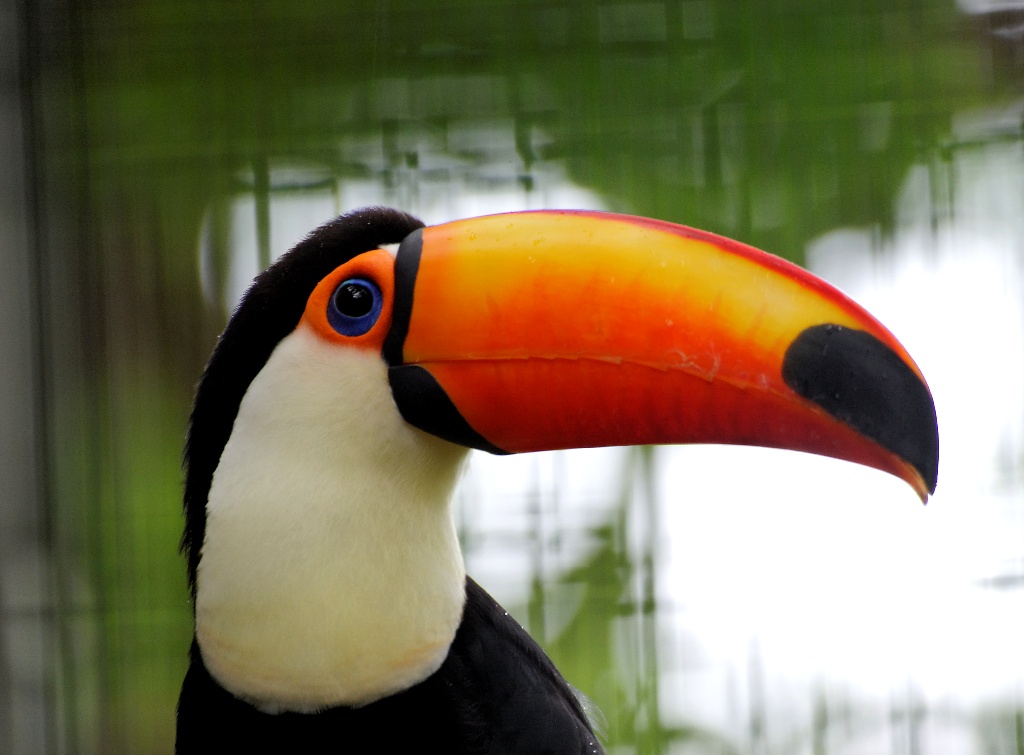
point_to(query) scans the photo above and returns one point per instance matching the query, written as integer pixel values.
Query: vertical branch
(261, 192)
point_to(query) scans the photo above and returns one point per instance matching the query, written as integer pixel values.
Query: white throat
(331, 573)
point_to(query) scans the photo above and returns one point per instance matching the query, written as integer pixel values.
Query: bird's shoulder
(518, 699)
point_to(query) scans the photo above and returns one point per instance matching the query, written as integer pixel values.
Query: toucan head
(545, 330)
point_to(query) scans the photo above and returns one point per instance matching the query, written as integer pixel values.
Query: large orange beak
(545, 330)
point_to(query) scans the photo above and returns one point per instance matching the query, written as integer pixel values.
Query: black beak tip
(864, 384)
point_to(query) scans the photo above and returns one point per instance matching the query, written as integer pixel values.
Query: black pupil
(354, 300)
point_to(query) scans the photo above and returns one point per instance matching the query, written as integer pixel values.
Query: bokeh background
(154, 155)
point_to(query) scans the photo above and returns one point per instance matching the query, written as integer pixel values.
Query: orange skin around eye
(377, 266)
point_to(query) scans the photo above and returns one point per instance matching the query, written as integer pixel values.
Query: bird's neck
(330, 572)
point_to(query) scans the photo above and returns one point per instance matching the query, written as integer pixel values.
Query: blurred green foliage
(767, 121)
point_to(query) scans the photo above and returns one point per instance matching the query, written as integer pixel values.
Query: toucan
(332, 608)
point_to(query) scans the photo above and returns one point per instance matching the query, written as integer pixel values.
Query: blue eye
(354, 307)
